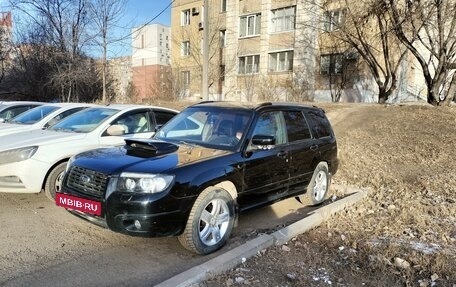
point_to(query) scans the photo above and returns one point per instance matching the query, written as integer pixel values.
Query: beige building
(255, 49)
(267, 50)
(150, 59)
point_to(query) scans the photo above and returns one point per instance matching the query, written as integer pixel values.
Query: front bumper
(25, 176)
(146, 215)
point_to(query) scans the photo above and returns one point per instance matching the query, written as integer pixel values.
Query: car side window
(134, 123)
(320, 124)
(14, 111)
(162, 117)
(62, 115)
(271, 124)
(297, 127)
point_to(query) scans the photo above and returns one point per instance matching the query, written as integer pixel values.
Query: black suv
(205, 166)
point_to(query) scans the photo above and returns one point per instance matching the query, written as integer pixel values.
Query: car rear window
(320, 124)
(297, 127)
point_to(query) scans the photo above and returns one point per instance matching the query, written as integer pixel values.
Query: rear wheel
(54, 180)
(318, 186)
(210, 222)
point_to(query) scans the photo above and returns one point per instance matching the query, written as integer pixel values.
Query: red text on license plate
(79, 204)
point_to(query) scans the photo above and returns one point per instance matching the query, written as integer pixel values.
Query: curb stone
(236, 256)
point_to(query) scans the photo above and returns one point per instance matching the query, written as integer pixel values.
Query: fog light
(137, 224)
(10, 179)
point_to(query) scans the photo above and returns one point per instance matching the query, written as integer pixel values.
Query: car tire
(54, 180)
(318, 186)
(210, 222)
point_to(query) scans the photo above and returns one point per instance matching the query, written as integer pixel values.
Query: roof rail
(263, 105)
(203, 102)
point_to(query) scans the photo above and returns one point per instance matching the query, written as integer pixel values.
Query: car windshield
(84, 121)
(220, 128)
(34, 115)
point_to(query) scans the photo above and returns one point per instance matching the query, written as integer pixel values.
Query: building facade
(150, 60)
(272, 50)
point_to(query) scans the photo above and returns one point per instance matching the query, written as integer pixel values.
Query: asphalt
(240, 254)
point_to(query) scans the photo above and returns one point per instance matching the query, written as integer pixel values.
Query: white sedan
(35, 160)
(41, 117)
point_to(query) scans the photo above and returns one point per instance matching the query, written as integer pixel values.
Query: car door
(303, 150)
(266, 171)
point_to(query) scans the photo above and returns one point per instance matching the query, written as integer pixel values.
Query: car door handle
(282, 154)
(313, 147)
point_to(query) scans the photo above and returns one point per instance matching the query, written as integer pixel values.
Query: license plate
(79, 204)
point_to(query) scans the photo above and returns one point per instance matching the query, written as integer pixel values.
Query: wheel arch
(50, 169)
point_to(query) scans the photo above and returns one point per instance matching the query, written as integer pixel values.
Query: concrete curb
(249, 249)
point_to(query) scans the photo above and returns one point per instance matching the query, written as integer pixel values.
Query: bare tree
(365, 27)
(105, 14)
(62, 25)
(428, 30)
(219, 67)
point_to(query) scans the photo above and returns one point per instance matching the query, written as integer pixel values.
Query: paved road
(43, 245)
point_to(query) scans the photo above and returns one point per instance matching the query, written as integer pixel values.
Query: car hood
(37, 138)
(118, 159)
(13, 128)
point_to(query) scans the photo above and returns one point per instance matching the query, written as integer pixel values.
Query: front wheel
(54, 181)
(210, 222)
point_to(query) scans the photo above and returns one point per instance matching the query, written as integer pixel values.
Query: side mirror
(115, 130)
(263, 141)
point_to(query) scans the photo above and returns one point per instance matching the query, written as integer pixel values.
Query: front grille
(87, 181)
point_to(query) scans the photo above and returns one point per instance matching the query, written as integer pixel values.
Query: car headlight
(143, 182)
(19, 154)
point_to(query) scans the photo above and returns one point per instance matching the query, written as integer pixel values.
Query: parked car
(193, 184)
(41, 117)
(35, 160)
(9, 110)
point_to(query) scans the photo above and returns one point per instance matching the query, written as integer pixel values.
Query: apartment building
(270, 50)
(150, 60)
(254, 48)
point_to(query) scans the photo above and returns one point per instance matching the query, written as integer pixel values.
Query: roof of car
(69, 105)
(17, 103)
(250, 105)
(133, 106)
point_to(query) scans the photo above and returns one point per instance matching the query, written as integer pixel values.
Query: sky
(140, 12)
(137, 13)
(144, 10)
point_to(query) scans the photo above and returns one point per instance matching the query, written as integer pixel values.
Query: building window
(222, 38)
(283, 19)
(222, 5)
(142, 41)
(333, 19)
(249, 64)
(250, 25)
(331, 64)
(185, 17)
(185, 78)
(281, 61)
(185, 48)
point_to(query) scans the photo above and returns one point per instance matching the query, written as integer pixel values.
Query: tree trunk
(382, 94)
(451, 92)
